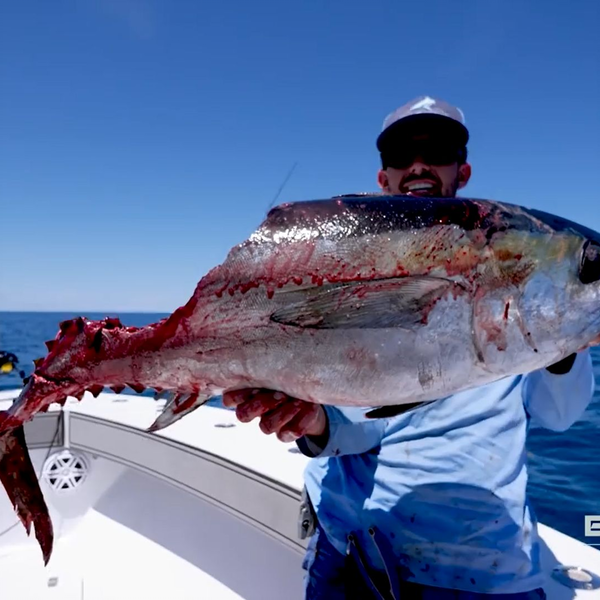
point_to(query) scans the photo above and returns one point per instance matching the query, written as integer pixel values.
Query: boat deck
(206, 509)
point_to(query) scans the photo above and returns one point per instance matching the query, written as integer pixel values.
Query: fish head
(559, 300)
(580, 314)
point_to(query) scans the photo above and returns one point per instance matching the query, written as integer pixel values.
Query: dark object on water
(8, 363)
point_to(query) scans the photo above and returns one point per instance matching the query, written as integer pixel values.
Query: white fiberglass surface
(147, 539)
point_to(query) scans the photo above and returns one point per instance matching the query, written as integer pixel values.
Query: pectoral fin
(398, 302)
(384, 412)
(178, 405)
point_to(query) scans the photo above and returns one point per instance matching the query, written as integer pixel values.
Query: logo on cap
(426, 104)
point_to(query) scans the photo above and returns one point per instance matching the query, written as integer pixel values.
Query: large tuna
(377, 301)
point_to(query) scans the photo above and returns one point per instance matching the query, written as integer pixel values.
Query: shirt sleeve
(348, 432)
(556, 401)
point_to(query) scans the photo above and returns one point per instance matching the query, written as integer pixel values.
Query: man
(430, 503)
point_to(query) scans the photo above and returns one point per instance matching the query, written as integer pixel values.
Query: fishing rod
(284, 182)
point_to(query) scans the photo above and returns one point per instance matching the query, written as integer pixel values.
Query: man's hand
(287, 417)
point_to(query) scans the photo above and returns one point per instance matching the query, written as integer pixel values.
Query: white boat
(205, 509)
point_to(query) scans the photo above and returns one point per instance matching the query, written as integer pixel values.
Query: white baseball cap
(428, 112)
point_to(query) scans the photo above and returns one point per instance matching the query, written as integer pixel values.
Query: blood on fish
(219, 292)
(185, 405)
(246, 287)
(427, 310)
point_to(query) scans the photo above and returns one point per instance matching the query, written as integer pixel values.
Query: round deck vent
(65, 471)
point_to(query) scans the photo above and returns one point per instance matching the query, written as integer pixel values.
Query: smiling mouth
(419, 187)
(416, 186)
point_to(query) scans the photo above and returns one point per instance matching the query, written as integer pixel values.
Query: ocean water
(564, 467)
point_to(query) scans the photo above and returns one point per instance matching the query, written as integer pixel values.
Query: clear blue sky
(141, 139)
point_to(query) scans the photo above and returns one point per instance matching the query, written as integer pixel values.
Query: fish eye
(589, 269)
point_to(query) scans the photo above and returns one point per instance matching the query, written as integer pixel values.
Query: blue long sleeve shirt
(441, 491)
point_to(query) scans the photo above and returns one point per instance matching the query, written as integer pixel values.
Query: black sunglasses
(437, 154)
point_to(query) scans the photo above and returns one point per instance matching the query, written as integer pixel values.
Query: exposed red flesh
(21, 484)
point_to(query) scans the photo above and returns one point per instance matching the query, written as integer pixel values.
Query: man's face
(424, 166)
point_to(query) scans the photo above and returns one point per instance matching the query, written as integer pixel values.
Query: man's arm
(347, 431)
(557, 396)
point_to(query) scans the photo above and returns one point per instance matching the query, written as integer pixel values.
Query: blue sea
(564, 467)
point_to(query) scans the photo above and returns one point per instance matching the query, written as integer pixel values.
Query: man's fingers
(233, 398)
(287, 417)
(257, 403)
(301, 423)
(276, 419)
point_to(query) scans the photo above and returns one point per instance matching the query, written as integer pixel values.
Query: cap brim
(423, 123)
